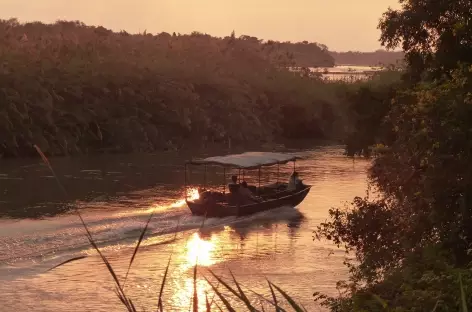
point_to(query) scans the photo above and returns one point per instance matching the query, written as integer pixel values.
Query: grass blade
(195, 294)
(262, 297)
(161, 291)
(120, 291)
(141, 237)
(242, 294)
(274, 297)
(303, 307)
(292, 302)
(463, 300)
(222, 298)
(120, 297)
(48, 164)
(208, 306)
(221, 281)
(67, 261)
(213, 297)
(107, 264)
(132, 306)
(435, 306)
(159, 303)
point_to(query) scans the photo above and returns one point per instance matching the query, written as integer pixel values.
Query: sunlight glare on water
(277, 245)
(192, 194)
(200, 251)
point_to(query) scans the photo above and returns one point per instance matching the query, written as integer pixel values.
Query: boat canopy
(248, 160)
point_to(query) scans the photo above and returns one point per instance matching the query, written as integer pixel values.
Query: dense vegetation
(379, 57)
(303, 54)
(71, 88)
(307, 54)
(413, 241)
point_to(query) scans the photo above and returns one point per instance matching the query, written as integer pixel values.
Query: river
(116, 194)
(345, 73)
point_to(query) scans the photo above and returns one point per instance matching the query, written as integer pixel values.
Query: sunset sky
(342, 25)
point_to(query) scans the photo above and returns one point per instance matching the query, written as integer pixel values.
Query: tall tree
(411, 242)
(435, 34)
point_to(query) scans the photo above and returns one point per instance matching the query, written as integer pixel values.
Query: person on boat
(246, 196)
(233, 186)
(294, 182)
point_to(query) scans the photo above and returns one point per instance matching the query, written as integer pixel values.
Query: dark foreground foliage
(72, 88)
(413, 241)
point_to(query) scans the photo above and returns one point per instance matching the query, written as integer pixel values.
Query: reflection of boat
(278, 217)
(244, 228)
(222, 204)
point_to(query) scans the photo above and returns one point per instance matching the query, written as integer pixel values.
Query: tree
(417, 235)
(436, 35)
(425, 207)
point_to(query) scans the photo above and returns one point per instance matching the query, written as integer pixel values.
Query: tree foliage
(414, 238)
(436, 35)
(72, 88)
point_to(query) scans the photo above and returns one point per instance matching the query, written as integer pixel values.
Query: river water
(116, 195)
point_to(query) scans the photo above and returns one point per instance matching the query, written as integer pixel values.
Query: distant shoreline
(376, 58)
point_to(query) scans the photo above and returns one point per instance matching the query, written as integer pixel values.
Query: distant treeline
(72, 88)
(309, 54)
(303, 54)
(379, 57)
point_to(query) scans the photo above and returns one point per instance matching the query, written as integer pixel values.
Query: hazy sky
(340, 24)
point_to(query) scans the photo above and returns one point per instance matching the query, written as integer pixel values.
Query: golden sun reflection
(184, 293)
(200, 251)
(206, 251)
(203, 252)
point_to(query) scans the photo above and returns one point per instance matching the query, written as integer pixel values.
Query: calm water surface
(117, 194)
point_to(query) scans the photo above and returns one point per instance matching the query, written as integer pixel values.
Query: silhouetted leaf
(67, 261)
(221, 296)
(292, 302)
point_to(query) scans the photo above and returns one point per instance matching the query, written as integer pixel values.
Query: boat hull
(213, 209)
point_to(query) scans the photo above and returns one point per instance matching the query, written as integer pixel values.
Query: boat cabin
(242, 199)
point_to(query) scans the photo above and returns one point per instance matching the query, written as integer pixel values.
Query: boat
(217, 204)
